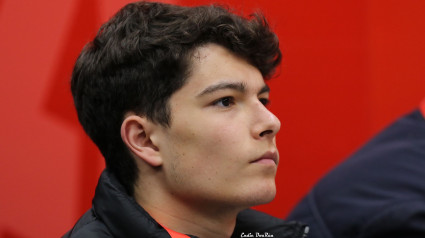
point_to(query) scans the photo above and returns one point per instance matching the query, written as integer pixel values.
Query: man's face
(220, 146)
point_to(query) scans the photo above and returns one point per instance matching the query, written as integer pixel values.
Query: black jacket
(379, 192)
(115, 214)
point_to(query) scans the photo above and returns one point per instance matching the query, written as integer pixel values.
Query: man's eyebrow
(241, 87)
(265, 89)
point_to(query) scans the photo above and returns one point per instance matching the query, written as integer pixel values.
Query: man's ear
(135, 133)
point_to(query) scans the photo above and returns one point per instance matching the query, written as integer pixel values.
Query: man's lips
(268, 158)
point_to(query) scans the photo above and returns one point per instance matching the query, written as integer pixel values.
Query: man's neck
(187, 217)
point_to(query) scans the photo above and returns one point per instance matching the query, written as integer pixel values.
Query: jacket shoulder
(252, 223)
(88, 226)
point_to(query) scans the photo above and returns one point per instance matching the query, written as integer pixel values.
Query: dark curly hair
(142, 55)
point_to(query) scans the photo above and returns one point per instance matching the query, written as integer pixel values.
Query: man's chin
(260, 196)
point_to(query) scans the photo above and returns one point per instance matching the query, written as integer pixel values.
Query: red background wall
(349, 68)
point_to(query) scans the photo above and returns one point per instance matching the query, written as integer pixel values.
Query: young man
(175, 99)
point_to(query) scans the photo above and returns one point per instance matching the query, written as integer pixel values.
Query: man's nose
(266, 124)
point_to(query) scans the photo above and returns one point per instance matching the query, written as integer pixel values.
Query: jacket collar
(121, 213)
(124, 217)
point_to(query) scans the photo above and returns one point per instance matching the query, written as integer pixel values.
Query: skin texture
(197, 174)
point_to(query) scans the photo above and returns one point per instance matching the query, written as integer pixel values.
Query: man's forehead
(201, 54)
(213, 67)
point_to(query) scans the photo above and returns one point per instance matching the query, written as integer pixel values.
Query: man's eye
(224, 102)
(264, 101)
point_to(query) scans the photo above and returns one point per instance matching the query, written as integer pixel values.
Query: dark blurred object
(379, 192)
